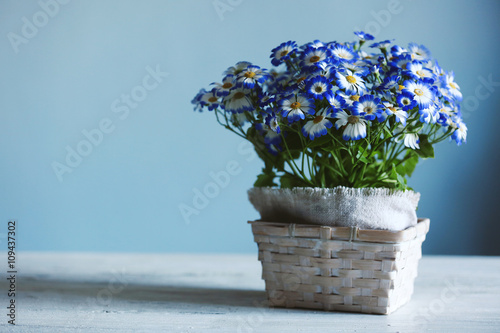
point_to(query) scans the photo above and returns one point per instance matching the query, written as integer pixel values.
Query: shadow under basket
(338, 268)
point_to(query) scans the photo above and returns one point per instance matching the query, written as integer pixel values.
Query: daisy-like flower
(356, 69)
(265, 99)
(314, 57)
(419, 52)
(429, 115)
(318, 126)
(363, 36)
(318, 86)
(296, 106)
(238, 101)
(421, 92)
(383, 45)
(251, 75)
(411, 140)
(315, 45)
(344, 53)
(270, 136)
(210, 100)
(355, 125)
(460, 134)
(336, 101)
(282, 53)
(272, 122)
(391, 82)
(238, 68)
(368, 106)
(397, 50)
(416, 70)
(398, 113)
(349, 99)
(448, 81)
(227, 84)
(196, 101)
(352, 83)
(405, 100)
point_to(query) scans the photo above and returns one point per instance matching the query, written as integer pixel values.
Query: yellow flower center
(239, 95)
(212, 99)
(300, 79)
(452, 85)
(368, 109)
(249, 75)
(227, 85)
(295, 105)
(354, 98)
(314, 59)
(400, 87)
(420, 73)
(318, 119)
(350, 79)
(418, 92)
(353, 120)
(283, 53)
(318, 89)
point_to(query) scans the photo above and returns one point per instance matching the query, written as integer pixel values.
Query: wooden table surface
(90, 292)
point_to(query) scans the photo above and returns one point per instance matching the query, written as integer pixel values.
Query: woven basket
(338, 268)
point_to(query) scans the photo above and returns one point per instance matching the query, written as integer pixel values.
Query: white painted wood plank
(74, 292)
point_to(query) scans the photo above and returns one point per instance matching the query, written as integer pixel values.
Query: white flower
(355, 126)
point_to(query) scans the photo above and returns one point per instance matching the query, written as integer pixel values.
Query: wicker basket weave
(338, 268)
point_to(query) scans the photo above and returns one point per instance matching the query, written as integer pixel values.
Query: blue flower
(238, 101)
(296, 106)
(352, 83)
(270, 136)
(251, 75)
(272, 122)
(363, 36)
(238, 68)
(318, 86)
(460, 134)
(405, 101)
(421, 91)
(419, 52)
(448, 82)
(429, 115)
(210, 99)
(368, 106)
(314, 57)
(398, 113)
(354, 125)
(282, 53)
(382, 45)
(227, 84)
(391, 82)
(416, 70)
(336, 101)
(344, 53)
(318, 126)
(196, 101)
(265, 99)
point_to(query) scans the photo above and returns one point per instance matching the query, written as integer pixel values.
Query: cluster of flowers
(326, 85)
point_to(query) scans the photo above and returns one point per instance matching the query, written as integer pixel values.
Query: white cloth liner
(365, 208)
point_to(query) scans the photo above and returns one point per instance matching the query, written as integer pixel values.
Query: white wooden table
(71, 292)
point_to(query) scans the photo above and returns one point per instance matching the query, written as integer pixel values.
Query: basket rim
(265, 228)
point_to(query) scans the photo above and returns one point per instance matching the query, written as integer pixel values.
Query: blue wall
(73, 73)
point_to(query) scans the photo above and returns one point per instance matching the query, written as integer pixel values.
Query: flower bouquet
(339, 127)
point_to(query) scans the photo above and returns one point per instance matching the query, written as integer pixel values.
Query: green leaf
(410, 164)
(289, 181)
(426, 150)
(265, 179)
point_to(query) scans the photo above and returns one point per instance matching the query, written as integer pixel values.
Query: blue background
(126, 194)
